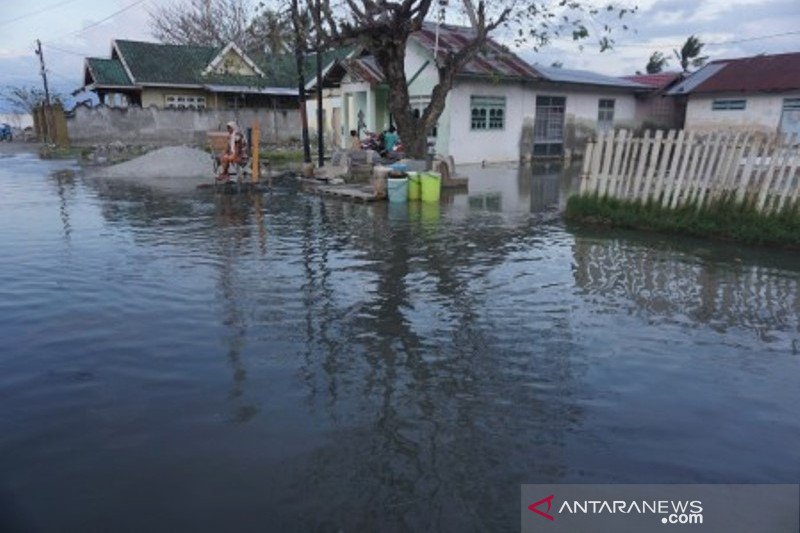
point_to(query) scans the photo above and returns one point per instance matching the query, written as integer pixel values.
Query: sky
(73, 29)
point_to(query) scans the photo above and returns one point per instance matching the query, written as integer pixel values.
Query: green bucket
(414, 185)
(431, 187)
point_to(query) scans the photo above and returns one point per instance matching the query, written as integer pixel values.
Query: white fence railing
(684, 167)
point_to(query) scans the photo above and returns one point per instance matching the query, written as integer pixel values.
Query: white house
(752, 93)
(500, 108)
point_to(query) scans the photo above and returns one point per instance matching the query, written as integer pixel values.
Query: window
(548, 126)
(791, 104)
(185, 102)
(728, 105)
(488, 112)
(605, 114)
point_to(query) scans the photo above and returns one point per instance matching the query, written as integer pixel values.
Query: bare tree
(24, 99)
(383, 27)
(218, 22)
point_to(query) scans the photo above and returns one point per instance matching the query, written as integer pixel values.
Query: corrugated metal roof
(585, 77)
(364, 69)
(658, 81)
(277, 91)
(690, 84)
(764, 73)
(492, 61)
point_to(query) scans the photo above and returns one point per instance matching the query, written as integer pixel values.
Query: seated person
(390, 139)
(355, 142)
(234, 153)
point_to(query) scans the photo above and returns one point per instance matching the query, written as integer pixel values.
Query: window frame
(729, 104)
(490, 111)
(605, 114)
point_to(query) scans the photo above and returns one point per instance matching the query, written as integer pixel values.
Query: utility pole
(299, 47)
(320, 136)
(44, 71)
(45, 116)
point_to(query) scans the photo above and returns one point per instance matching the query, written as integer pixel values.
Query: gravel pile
(173, 167)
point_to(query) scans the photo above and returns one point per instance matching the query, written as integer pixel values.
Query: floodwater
(287, 362)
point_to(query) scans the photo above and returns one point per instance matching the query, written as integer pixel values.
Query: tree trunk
(390, 55)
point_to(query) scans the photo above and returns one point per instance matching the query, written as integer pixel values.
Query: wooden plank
(747, 171)
(726, 166)
(644, 153)
(670, 166)
(619, 152)
(794, 180)
(652, 167)
(630, 168)
(683, 192)
(790, 167)
(735, 169)
(608, 156)
(597, 156)
(683, 153)
(776, 156)
(586, 177)
(778, 187)
(706, 170)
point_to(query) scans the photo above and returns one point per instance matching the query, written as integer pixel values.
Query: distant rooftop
(763, 73)
(563, 75)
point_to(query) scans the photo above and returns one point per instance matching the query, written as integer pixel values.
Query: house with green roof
(191, 77)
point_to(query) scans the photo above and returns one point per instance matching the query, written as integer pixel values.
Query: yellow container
(431, 187)
(414, 185)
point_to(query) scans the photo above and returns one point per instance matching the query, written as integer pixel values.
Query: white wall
(475, 146)
(762, 112)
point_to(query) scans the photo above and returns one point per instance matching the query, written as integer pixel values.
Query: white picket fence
(684, 167)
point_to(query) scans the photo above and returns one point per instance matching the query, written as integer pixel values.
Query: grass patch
(282, 157)
(55, 152)
(723, 219)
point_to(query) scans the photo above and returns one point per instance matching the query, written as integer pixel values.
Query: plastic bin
(414, 185)
(431, 187)
(398, 189)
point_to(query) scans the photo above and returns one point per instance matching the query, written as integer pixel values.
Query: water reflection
(703, 290)
(509, 188)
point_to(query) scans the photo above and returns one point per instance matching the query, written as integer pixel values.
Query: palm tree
(690, 54)
(657, 63)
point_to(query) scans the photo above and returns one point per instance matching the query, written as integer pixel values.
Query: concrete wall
(762, 113)
(172, 126)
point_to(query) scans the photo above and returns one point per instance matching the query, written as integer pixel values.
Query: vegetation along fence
(680, 168)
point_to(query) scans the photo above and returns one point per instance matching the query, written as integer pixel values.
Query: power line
(65, 51)
(721, 43)
(97, 23)
(38, 12)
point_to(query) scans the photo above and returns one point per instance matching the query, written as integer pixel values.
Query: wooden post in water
(254, 148)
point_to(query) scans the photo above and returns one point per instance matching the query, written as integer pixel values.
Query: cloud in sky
(658, 25)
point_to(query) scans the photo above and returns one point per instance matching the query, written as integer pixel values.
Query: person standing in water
(234, 152)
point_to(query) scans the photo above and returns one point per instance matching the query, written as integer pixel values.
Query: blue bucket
(398, 189)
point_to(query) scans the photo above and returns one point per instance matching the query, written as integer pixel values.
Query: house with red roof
(500, 108)
(760, 93)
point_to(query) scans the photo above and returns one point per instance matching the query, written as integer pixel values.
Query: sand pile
(169, 162)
